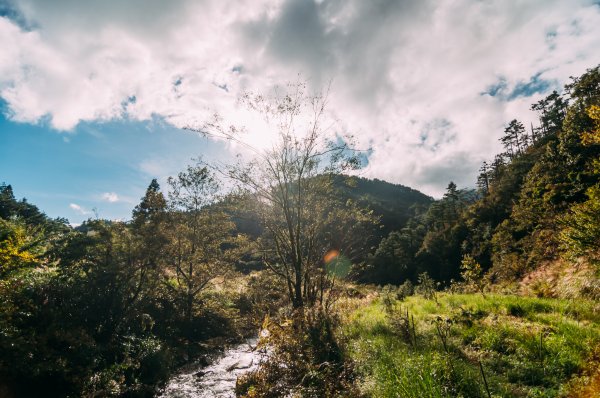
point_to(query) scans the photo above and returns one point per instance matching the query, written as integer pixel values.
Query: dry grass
(558, 279)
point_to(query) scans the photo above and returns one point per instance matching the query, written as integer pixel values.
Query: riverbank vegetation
(488, 292)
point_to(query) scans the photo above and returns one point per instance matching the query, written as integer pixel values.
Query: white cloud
(408, 76)
(79, 209)
(110, 197)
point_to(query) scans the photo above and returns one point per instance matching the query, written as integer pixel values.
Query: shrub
(406, 289)
(427, 286)
(388, 296)
(305, 360)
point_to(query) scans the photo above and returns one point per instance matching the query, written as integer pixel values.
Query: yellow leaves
(594, 112)
(14, 246)
(592, 137)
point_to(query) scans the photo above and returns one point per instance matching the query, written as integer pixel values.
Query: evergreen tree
(515, 139)
(151, 206)
(551, 113)
(483, 179)
(7, 201)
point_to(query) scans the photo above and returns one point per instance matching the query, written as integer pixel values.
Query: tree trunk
(297, 300)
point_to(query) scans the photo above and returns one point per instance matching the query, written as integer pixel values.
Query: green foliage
(394, 259)
(108, 308)
(526, 346)
(293, 193)
(80, 325)
(395, 204)
(545, 182)
(388, 296)
(515, 139)
(431, 242)
(472, 273)
(99, 310)
(406, 289)
(551, 112)
(199, 239)
(27, 236)
(581, 234)
(442, 244)
(152, 205)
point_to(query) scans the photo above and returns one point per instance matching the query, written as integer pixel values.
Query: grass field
(468, 345)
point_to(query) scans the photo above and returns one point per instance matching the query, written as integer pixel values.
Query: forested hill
(537, 205)
(394, 203)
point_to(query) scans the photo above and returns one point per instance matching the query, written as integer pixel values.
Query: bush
(406, 289)
(426, 287)
(305, 360)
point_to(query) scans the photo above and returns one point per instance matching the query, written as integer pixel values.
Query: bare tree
(292, 188)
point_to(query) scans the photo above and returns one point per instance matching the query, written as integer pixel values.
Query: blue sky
(94, 94)
(106, 166)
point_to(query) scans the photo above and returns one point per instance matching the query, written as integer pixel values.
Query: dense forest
(342, 272)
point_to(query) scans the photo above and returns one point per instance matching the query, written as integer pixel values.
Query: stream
(218, 379)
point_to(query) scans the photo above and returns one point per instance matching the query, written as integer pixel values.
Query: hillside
(394, 203)
(468, 345)
(537, 203)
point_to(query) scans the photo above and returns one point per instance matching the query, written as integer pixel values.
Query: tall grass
(526, 347)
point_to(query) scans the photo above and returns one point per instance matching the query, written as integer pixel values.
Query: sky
(94, 94)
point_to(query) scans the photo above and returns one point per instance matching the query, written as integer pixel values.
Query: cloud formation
(110, 197)
(79, 209)
(427, 84)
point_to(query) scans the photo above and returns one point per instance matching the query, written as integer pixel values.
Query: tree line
(534, 203)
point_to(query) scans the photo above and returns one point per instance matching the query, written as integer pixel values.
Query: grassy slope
(528, 347)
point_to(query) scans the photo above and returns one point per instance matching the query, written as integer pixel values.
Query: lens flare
(331, 255)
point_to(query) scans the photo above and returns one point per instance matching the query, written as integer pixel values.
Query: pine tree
(551, 113)
(483, 179)
(515, 139)
(148, 224)
(152, 204)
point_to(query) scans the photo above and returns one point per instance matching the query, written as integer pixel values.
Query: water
(216, 380)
